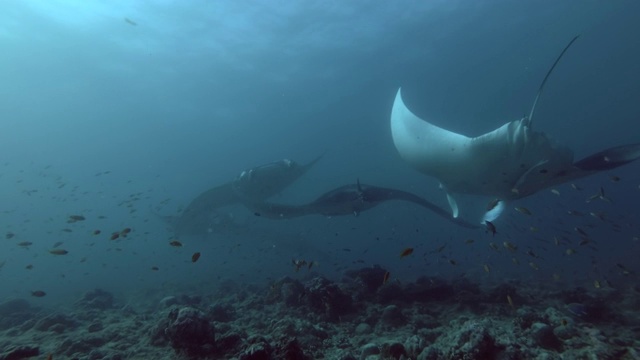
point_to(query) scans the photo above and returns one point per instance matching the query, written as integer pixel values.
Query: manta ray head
(509, 162)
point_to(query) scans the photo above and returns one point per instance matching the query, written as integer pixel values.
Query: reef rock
(189, 331)
(21, 352)
(471, 342)
(258, 349)
(545, 337)
(57, 323)
(369, 349)
(14, 312)
(367, 280)
(289, 349)
(392, 316)
(97, 299)
(326, 297)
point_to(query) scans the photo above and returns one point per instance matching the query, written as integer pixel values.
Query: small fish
(555, 192)
(570, 251)
(494, 246)
(515, 261)
(175, 243)
(581, 232)
(490, 227)
(74, 218)
(58, 251)
(155, 268)
(575, 213)
(600, 195)
(438, 249)
(114, 236)
(298, 264)
(96, 232)
(599, 215)
(577, 309)
(534, 266)
(25, 243)
(125, 231)
(57, 244)
(576, 187)
(532, 254)
(406, 252)
(614, 178)
(596, 284)
(509, 246)
(29, 267)
(469, 241)
(509, 300)
(38, 293)
(523, 210)
(385, 278)
(195, 257)
(556, 277)
(534, 228)
(453, 262)
(312, 264)
(625, 271)
(9, 235)
(486, 268)
(132, 23)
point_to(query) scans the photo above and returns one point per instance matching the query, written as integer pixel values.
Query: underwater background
(122, 112)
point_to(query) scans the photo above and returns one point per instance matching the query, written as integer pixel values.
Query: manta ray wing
(495, 164)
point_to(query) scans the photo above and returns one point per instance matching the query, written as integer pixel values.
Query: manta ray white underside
(510, 162)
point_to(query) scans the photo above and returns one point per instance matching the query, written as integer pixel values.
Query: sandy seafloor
(310, 317)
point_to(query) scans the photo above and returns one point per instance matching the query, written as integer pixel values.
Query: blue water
(172, 98)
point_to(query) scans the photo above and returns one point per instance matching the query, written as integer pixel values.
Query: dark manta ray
(255, 184)
(349, 200)
(508, 163)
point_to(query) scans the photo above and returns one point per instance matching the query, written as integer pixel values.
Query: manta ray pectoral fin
(453, 205)
(494, 212)
(609, 158)
(427, 147)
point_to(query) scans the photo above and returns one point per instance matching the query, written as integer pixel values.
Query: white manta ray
(508, 163)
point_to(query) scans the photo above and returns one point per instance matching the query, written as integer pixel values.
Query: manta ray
(349, 199)
(254, 185)
(508, 163)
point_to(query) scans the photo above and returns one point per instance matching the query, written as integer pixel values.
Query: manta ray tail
(544, 81)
